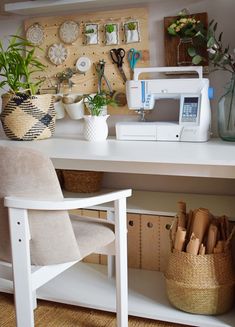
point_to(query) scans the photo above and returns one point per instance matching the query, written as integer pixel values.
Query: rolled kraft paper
(182, 214)
(201, 223)
(180, 238)
(202, 249)
(211, 238)
(193, 245)
(219, 247)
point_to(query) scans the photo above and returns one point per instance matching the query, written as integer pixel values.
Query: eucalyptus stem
(231, 100)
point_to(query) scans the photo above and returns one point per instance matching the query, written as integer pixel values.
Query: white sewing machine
(194, 112)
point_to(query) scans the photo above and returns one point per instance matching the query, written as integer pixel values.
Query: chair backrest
(28, 173)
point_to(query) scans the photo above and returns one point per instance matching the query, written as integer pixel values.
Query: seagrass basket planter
(28, 118)
(201, 284)
(82, 181)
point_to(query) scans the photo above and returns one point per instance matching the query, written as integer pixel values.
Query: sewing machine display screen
(190, 109)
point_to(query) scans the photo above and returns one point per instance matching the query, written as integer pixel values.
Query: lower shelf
(87, 285)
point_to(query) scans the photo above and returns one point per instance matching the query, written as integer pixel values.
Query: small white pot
(111, 38)
(92, 38)
(95, 128)
(132, 36)
(75, 110)
(59, 109)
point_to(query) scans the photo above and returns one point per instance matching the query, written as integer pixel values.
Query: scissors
(134, 56)
(117, 56)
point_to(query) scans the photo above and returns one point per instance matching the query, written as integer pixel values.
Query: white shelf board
(165, 203)
(87, 285)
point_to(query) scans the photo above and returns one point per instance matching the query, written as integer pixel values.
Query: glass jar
(226, 113)
(183, 58)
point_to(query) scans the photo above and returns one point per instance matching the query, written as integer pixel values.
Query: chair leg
(19, 231)
(121, 263)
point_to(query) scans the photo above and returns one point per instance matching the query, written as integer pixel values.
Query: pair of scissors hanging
(117, 56)
(133, 57)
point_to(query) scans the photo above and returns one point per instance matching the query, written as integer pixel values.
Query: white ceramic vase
(95, 128)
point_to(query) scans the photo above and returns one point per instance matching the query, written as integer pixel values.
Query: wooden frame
(171, 42)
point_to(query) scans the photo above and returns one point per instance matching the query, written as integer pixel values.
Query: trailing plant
(18, 64)
(97, 102)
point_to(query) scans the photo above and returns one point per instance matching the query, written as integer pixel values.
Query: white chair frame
(27, 279)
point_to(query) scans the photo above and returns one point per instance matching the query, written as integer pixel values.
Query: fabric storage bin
(82, 181)
(202, 284)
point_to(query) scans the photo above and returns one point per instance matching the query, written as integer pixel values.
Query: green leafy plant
(185, 26)
(131, 26)
(110, 28)
(18, 64)
(90, 31)
(97, 102)
(219, 55)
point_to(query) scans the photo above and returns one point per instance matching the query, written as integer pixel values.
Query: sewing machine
(194, 112)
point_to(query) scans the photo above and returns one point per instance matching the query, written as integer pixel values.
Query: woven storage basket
(27, 118)
(82, 181)
(202, 284)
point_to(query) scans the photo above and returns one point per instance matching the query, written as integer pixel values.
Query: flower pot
(59, 109)
(27, 118)
(132, 36)
(226, 113)
(111, 38)
(75, 110)
(95, 128)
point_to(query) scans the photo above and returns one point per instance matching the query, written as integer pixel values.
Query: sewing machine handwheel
(120, 98)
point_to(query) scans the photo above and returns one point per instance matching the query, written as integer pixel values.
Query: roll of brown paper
(182, 214)
(201, 223)
(211, 238)
(193, 245)
(202, 249)
(180, 238)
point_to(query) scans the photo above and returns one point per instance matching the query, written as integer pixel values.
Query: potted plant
(95, 124)
(111, 34)
(131, 32)
(91, 32)
(25, 115)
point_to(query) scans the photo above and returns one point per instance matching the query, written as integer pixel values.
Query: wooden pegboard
(88, 83)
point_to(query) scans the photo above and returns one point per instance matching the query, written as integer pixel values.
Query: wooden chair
(38, 238)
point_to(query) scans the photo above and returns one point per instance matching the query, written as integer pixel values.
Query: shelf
(165, 204)
(87, 285)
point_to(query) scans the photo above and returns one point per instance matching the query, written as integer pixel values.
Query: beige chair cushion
(91, 234)
(28, 173)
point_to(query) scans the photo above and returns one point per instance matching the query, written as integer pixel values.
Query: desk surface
(215, 158)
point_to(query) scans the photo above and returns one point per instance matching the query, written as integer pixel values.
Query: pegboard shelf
(88, 82)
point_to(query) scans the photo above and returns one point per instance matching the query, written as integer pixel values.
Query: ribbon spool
(83, 64)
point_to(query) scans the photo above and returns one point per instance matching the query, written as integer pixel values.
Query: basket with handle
(201, 284)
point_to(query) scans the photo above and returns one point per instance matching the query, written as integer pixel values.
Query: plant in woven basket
(18, 64)
(25, 115)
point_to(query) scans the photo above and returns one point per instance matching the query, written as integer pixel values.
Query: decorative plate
(68, 31)
(57, 53)
(35, 34)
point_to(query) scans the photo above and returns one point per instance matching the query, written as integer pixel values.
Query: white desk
(147, 296)
(210, 159)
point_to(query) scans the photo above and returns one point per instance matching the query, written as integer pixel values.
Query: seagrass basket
(27, 118)
(82, 181)
(201, 284)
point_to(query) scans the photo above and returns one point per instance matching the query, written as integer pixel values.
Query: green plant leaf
(197, 59)
(191, 51)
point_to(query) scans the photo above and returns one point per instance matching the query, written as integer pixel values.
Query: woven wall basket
(27, 118)
(202, 284)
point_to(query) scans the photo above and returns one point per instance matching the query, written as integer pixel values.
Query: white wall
(223, 11)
